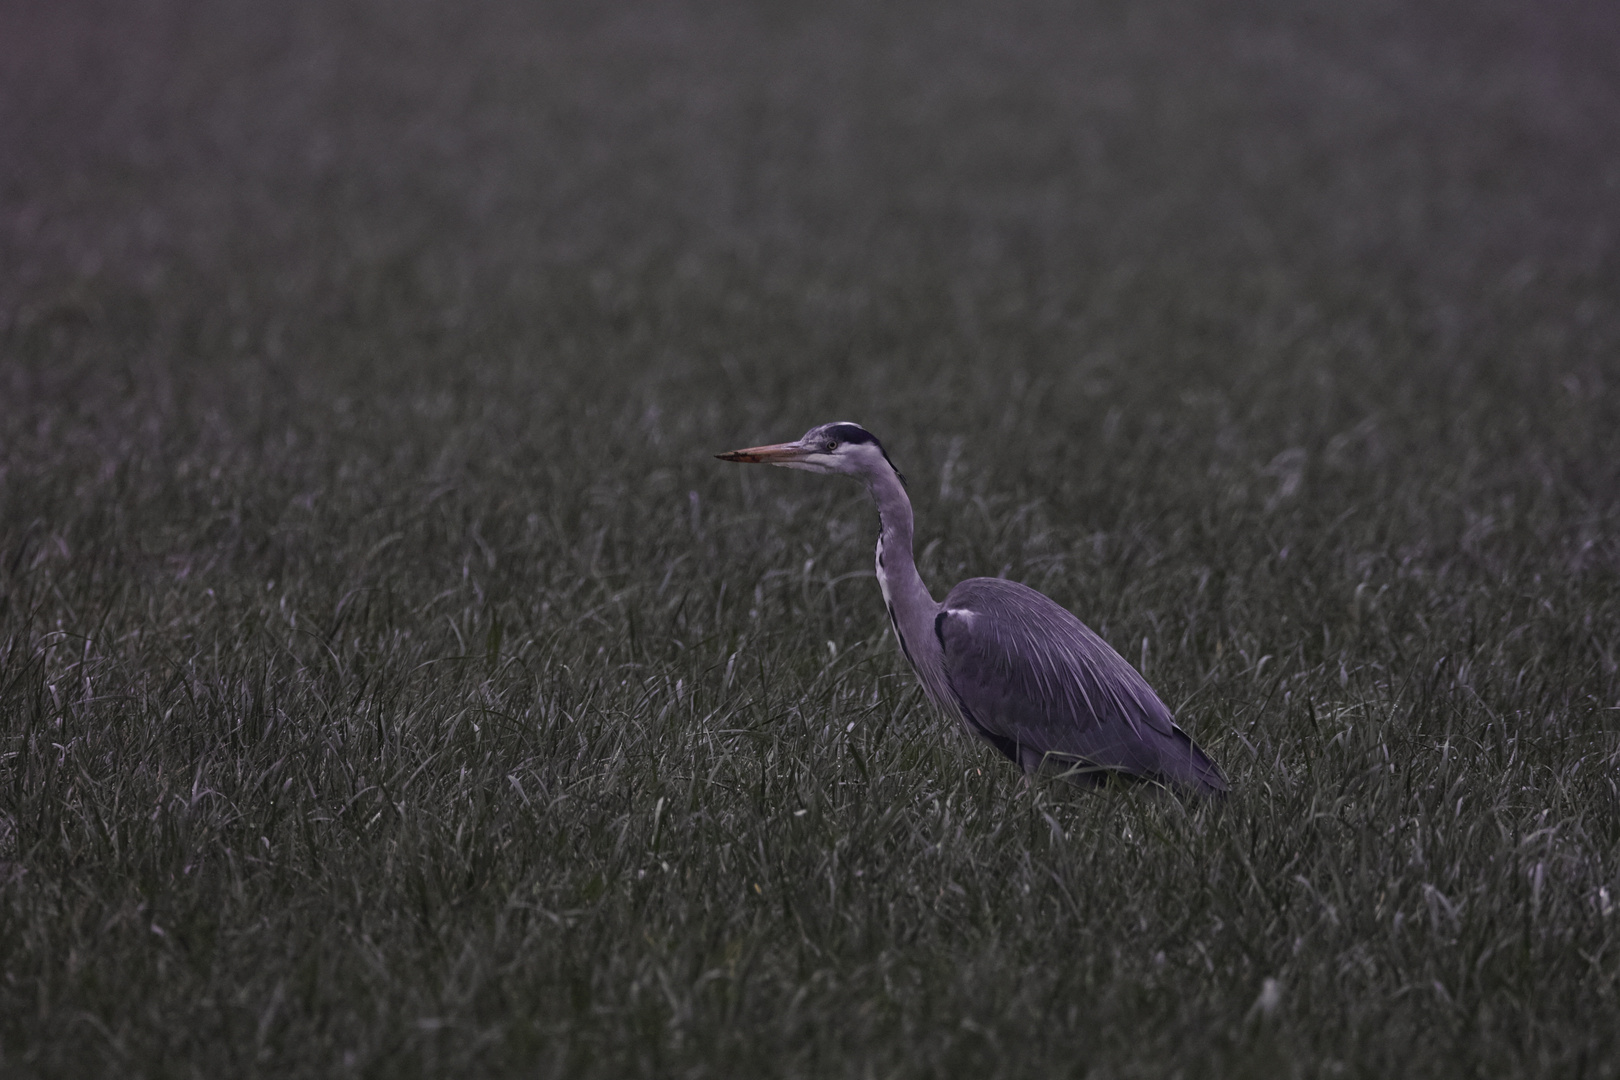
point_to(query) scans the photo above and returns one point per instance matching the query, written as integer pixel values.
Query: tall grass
(391, 683)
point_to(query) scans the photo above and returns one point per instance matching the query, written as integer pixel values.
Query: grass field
(391, 684)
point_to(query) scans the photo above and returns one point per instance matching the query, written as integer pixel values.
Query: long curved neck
(912, 609)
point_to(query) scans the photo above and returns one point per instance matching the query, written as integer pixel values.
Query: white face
(821, 451)
(827, 448)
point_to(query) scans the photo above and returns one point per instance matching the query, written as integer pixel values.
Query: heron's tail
(1193, 771)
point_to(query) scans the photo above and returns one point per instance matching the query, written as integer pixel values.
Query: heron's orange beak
(776, 454)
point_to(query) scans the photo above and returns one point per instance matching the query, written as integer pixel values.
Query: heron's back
(1036, 681)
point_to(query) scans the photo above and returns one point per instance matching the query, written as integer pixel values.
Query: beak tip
(780, 454)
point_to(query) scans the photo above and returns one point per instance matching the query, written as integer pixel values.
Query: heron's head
(841, 447)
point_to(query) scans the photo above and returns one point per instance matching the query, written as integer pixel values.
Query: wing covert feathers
(1027, 673)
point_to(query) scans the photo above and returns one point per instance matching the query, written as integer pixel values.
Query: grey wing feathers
(1034, 680)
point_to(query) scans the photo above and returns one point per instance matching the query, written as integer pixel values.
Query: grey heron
(1012, 666)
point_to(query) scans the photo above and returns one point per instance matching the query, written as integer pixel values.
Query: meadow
(392, 684)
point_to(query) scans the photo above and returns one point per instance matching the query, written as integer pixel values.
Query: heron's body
(1016, 669)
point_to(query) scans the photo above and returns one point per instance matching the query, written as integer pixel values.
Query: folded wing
(1041, 687)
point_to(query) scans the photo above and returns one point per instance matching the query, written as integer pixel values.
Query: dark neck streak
(912, 609)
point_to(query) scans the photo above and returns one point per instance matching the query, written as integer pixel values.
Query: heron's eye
(832, 444)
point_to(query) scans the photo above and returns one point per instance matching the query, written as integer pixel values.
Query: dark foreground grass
(391, 684)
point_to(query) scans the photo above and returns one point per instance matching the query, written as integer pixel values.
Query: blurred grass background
(390, 683)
